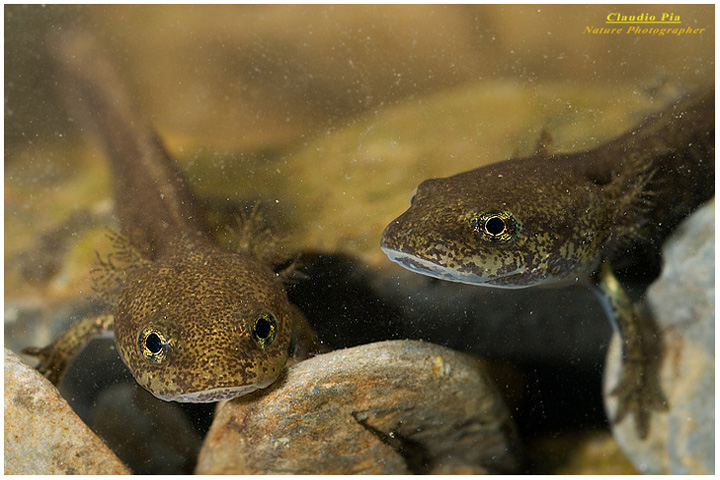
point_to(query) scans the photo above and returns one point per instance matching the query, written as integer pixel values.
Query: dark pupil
(495, 226)
(263, 327)
(153, 343)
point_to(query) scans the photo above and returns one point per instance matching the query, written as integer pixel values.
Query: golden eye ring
(264, 330)
(154, 345)
(495, 227)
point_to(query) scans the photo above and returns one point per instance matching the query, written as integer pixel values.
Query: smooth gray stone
(682, 300)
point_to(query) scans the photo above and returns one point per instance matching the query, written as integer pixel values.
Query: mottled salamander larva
(552, 219)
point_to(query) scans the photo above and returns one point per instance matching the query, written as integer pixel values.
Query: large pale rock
(386, 408)
(42, 433)
(682, 300)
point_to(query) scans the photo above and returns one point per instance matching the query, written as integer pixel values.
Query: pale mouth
(432, 269)
(209, 396)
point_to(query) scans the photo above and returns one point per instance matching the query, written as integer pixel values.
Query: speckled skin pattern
(566, 211)
(552, 219)
(547, 247)
(203, 301)
(192, 322)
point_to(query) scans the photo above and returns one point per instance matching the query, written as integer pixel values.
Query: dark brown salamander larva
(192, 321)
(554, 219)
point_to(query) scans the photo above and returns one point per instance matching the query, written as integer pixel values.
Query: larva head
(203, 328)
(506, 225)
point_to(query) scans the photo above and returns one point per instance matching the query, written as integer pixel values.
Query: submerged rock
(392, 407)
(43, 435)
(682, 301)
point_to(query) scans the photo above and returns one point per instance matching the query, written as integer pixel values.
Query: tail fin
(153, 200)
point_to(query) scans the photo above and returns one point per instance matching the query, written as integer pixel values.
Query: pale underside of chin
(210, 395)
(511, 280)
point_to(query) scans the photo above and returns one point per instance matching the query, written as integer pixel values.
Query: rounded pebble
(43, 435)
(394, 407)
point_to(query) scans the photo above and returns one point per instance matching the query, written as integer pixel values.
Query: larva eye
(496, 227)
(264, 330)
(154, 345)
